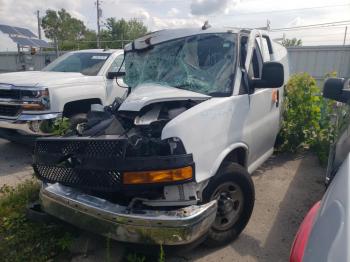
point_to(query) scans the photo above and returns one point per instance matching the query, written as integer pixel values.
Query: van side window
(242, 57)
(255, 66)
(265, 49)
(243, 47)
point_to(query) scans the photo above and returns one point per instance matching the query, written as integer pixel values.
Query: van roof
(169, 34)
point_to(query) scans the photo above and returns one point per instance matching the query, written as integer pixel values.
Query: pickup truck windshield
(202, 63)
(85, 63)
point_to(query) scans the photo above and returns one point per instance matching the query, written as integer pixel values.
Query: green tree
(60, 26)
(89, 40)
(121, 31)
(292, 42)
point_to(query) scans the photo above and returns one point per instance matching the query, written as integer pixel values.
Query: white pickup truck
(171, 164)
(30, 101)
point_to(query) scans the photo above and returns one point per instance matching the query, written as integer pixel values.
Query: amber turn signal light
(159, 176)
(33, 107)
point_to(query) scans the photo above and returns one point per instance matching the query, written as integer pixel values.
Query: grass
(24, 240)
(139, 257)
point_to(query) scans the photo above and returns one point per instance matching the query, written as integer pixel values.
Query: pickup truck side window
(116, 64)
(79, 62)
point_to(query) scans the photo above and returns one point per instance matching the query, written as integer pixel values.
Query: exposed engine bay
(142, 129)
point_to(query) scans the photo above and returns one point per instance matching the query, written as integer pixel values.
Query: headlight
(35, 99)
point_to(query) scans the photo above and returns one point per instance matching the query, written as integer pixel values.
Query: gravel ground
(286, 187)
(15, 163)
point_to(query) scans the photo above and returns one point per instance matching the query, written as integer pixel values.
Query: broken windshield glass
(202, 63)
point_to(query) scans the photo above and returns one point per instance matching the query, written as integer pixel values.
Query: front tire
(233, 187)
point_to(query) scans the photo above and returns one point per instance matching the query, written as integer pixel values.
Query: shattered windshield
(202, 63)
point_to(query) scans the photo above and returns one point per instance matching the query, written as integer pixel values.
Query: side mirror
(112, 75)
(272, 76)
(337, 89)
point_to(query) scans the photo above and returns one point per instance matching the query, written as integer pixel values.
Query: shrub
(301, 113)
(61, 126)
(306, 118)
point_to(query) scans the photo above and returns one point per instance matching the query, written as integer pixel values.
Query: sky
(160, 14)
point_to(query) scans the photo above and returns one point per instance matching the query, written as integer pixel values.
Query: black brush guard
(95, 163)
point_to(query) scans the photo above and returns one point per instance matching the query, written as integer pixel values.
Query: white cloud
(173, 12)
(298, 21)
(162, 23)
(140, 14)
(157, 22)
(207, 7)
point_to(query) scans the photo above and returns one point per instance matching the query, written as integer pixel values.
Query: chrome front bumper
(28, 124)
(180, 226)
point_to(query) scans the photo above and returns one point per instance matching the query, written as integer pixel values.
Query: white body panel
(215, 127)
(329, 238)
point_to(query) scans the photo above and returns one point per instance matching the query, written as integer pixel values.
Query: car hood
(146, 94)
(42, 78)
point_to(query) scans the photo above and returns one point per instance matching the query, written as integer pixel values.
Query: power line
(287, 10)
(320, 25)
(314, 28)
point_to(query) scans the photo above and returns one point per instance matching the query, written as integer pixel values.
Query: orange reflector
(33, 106)
(159, 176)
(274, 96)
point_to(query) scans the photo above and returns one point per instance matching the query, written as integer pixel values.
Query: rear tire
(234, 189)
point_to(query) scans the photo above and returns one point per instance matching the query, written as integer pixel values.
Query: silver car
(324, 234)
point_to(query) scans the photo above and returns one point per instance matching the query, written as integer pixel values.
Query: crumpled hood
(146, 94)
(42, 78)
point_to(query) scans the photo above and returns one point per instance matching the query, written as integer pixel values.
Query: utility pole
(99, 13)
(346, 30)
(39, 23)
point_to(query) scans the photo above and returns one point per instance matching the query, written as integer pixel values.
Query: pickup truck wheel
(234, 189)
(77, 119)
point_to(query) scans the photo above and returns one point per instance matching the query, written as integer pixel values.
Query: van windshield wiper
(219, 94)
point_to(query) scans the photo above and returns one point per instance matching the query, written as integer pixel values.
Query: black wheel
(77, 119)
(233, 187)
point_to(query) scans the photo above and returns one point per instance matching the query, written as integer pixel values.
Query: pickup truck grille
(75, 162)
(9, 110)
(10, 94)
